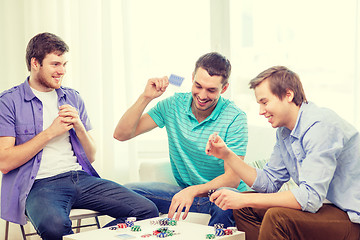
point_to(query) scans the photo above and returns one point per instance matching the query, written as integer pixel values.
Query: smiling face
(48, 76)
(206, 91)
(279, 113)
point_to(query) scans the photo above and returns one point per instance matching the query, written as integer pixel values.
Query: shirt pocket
(23, 129)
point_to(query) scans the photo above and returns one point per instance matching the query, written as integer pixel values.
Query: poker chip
(172, 223)
(146, 235)
(210, 236)
(233, 229)
(136, 228)
(154, 222)
(219, 232)
(211, 192)
(122, 225)
(218, 225)
(228, 232)
(133, 219)
(129, 223)
(112, 228)
(163, 229)
(162, 235)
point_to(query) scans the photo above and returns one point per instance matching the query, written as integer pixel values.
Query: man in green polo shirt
(189, 119)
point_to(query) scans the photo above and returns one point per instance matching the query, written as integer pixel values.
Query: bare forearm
(244, 171)
(87, 143)
(12, 157)
(127, 125)
(267, 200)
(228, 179)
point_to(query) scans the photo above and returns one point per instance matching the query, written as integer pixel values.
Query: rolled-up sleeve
(318, 166)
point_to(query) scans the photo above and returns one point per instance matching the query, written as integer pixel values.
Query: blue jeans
(50, 200)
(162, 193)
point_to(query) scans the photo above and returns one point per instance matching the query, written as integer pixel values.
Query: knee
(54, 227)
(277, 217)
(220, 216)
(146, 209)
(151, 210)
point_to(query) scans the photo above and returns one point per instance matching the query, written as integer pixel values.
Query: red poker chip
(146, 235)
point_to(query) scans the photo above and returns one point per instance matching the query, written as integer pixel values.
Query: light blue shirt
(187, 137)
(322, 155)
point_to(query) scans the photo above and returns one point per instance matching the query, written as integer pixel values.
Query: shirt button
(32, 177)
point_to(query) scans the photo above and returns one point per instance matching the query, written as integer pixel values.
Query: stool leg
(6, 230)
(78, 225)
(23, 232)
(97, 222)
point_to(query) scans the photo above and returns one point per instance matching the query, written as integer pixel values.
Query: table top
(182, 231)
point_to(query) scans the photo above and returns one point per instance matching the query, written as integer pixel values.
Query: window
(316, 39)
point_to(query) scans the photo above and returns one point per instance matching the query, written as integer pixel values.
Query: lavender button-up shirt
(21, 116)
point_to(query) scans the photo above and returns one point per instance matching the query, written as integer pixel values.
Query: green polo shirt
(187, 137)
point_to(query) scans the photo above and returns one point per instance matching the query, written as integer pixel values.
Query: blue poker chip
(219, 232)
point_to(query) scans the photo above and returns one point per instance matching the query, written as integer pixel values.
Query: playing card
(176, 80)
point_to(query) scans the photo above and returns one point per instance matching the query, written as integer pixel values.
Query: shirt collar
(29, 94)
(296, 132)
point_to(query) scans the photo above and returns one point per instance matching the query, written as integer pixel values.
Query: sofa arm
(158, 170)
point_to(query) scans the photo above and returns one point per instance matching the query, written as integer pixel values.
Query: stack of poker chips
(220, 231)
(130, 221)
(122, 225)
(211, 192)
(164, 222)
(210, 236)
(136, 228)
(163, 232)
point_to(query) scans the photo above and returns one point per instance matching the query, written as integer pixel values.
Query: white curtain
(93, 30)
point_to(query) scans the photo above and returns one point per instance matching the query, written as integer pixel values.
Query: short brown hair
(215, 64)
(281, 79)
(43, 44)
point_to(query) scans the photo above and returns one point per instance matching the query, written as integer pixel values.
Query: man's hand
(69, 115)
(59, 127)
(217, 147)
(227, 199)
(155, 87)
(181, 200)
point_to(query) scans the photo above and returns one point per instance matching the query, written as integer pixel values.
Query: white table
(183, 231)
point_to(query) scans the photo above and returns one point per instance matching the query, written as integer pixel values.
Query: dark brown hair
(281, 79)
(43, 44)
(215, 64)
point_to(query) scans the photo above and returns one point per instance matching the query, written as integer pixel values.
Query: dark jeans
(328, 223)
(162, 193)
(50, 200)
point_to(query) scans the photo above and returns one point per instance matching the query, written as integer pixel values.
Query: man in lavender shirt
(46, 151)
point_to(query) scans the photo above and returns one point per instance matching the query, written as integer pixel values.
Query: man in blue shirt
(46, 151)
(317, 149)
(189, 118)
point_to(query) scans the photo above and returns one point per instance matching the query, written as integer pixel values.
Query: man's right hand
(155, 87)
(59, 126)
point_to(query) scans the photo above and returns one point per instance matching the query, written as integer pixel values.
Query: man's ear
(289, 95)
(224, 88)
(34, 63)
